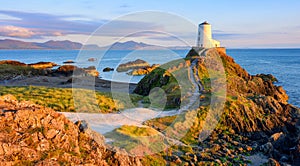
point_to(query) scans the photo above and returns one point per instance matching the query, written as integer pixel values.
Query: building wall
(204, 36)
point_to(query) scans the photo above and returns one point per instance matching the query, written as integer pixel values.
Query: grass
(11, 71)
(137, 140)
(65, 100)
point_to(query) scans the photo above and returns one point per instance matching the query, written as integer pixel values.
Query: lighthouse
(205, 39)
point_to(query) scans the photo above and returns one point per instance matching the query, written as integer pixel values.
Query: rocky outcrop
(92, 71)
(33, 135)
(68, 62)
(132, 65)
(108, 69)
(69, 70)
(42, 65)
(11, 62)
(143, 71)
(92, 59)
(38, 65)
(255, 108)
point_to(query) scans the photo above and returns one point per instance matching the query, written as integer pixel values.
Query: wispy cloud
(20, 32)
(40, 24)
(13, 31)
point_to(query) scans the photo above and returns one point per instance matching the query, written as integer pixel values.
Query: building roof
(205, 23)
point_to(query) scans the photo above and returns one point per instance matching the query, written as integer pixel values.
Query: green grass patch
(10, 71)
(67, 100)
(137, 140)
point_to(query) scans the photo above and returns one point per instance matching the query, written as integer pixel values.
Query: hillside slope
(254, 108)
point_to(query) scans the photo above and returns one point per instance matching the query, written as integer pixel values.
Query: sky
(236, 23)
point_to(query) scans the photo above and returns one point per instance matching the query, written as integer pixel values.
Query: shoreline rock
(12, 62)
(132, 65)
(69, 70)
(256, 110)
(143, 71)
(92, 59)
(68, 62)
(108, 69)
(42, 65)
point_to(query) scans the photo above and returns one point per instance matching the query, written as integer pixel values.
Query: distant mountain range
(16, 44)
(69, 45)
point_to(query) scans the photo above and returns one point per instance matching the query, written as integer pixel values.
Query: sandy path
(104, 123)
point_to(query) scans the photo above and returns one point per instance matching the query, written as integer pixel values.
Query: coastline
(96, 83)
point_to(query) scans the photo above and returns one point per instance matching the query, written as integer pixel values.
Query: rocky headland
(257, 118)
(257, 125)
(132, 65)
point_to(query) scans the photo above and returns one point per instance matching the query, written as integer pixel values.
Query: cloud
(13, 31)
(46, 24)
(39, 25)
(20, 32)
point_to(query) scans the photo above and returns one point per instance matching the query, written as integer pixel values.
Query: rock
(249, 148)
(267, 77)
(51, 133)
(42, 65)
(69, 70)
(143, 71)
(68, 62)
(284, 159)
(108, 69)
(92, 71)
(176, 160)
(266, 148)
(11, 62)
(35, 135)
(82, 125)
(92, 59)
(273, 162)
(275, 137)
(218, 161)
(215, 147)
(8, 98)
(132, 65)
(240, 149)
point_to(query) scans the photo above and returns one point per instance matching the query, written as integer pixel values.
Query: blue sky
(235, 23)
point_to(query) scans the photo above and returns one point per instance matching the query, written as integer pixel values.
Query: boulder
(92, 71)
(108, 69)
(92, 59)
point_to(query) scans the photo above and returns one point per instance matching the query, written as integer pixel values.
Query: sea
(284, 64)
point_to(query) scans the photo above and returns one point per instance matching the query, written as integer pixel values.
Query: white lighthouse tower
(205, 39)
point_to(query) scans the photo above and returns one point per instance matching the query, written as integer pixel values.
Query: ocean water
(111, 58)
(284, 64)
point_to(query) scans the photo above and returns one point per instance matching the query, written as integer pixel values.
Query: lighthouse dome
(205, 23)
